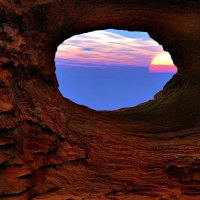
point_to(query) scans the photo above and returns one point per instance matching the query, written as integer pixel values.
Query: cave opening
(112, 69)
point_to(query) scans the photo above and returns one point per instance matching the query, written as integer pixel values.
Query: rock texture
(53, 149)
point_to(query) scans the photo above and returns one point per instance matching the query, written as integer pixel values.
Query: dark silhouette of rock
(51, 148)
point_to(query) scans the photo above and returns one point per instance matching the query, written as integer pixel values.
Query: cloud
(103, 48)
(162, 68)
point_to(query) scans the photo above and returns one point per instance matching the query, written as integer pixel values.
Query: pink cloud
(106, 48)
(162, 68)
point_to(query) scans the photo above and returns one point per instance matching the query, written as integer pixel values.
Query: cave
(52, 148)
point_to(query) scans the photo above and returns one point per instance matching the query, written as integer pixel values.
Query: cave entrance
(112, 69)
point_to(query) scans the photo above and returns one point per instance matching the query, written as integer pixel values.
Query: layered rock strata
(51, 148)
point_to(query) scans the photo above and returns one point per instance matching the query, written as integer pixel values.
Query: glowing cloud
(103, 48)
(162, 62)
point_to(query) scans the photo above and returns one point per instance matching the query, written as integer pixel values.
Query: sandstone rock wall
(51, 148)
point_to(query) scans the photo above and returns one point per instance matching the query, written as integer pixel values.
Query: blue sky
(108, 70)
(129, 34)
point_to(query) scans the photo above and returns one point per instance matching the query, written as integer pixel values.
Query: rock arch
(50, 146)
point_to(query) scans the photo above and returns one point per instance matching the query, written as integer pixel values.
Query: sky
(112, 69)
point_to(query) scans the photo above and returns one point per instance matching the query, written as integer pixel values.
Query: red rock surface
(53, 149)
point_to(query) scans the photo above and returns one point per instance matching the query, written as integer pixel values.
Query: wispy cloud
(100, 48)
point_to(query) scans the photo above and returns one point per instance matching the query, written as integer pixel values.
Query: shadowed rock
(51, 148)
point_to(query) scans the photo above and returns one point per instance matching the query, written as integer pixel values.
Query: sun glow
(162, 62)
(163, 58)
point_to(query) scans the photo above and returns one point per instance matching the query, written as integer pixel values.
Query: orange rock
(53, 149)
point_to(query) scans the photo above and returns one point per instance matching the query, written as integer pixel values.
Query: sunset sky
(111, 69)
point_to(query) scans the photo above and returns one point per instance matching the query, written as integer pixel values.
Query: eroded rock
(51, 148)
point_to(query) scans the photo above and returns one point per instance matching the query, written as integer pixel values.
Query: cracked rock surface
(53, 149)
